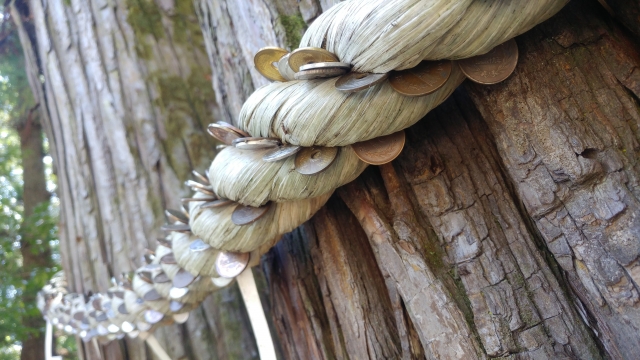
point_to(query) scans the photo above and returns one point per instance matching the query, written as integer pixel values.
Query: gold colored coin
(245, 215)
(493, 67)
(231, 264)
(183, 278)
(312, 160)
(380, 150)
(421, 80)
(264, 61)
(309, 55)
(181, 318)
(355, 81)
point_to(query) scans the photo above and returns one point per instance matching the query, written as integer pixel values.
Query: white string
(249, 290)
(157, 348)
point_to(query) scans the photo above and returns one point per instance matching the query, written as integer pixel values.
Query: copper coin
(380, 150)
(177, 293)
(188, 200)
(145, 276)
(326, 65)
(309, 55)
(423, 79)
(492, 67)
(199, 245)
(176, 216)
(122, 309)
(203, 190)
(312, 160)
(264, 59)
(216, 203)
(255, 143)
(203, 178)
(195, 184)
(355, 81)
(183, 278)
(152, 295)
(152, 316)
(244, 215)
(234, 128)
(164, 242)
(231, 264)
(280, 153)
(176, 227)
(284, 68)
(175, 306)
(181, 318)
(319, 73)
(97, 303)
(168, 259)
(161, 278)
(223, 133)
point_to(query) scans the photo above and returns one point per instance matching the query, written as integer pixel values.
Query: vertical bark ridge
(569, 141)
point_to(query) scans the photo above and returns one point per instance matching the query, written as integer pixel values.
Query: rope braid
(372, 36)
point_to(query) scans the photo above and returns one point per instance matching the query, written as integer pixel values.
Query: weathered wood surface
(128, 96)
(480, 210)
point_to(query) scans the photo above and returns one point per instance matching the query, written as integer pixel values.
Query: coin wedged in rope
(493, 67)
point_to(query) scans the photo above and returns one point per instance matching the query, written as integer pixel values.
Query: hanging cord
(249, 290)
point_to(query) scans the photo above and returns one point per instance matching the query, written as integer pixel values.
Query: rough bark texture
(127, 97)
(34, 193)
(507, 228)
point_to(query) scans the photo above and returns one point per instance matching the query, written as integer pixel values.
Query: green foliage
(294, 27)
(38, 232)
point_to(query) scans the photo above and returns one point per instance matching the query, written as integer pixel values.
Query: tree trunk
(127, 98)
(507, 228)
(36, 256)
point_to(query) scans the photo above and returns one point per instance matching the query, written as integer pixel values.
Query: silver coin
(354, 81)
(143, 326)
(177, 293)
(255, 143)
(280, 153)
(320, 73)
(176, 216)
(199, 245)
(176, 227)
(231, 264)
(175, 306)
(326, 65)
(285, 70)
(216, 203)
(152, 317)
(133, 333)
(127, 327)
(203, 178)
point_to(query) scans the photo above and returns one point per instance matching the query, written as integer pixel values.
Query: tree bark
(507, 228)
(126, 96)
(35, 255)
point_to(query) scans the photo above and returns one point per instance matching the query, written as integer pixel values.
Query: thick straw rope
(374, 36)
